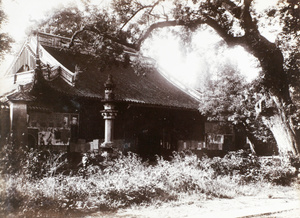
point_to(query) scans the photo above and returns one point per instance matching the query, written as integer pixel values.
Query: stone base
(107, 150)
(106, 145)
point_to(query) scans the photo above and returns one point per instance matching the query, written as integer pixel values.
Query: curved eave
(143, 104)
(132, 102)
(74, 92)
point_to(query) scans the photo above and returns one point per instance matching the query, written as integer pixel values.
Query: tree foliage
(5, 39)
(63, 22)
(129, 23)
(229, 97)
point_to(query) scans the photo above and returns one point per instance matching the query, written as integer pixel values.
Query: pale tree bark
(274, 116)
(284, 136)
(283, 130)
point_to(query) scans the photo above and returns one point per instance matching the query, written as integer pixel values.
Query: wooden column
(4, 124)
(18, 115)
(18, 123)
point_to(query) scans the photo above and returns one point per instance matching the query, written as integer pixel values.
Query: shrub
(277, 170)
(35, 164)
(250, 168)
(241, 163)
(127, 180)
(22, 170)
(10, 159)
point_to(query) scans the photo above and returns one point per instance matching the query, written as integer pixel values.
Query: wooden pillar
(4, 124)
(18, 123)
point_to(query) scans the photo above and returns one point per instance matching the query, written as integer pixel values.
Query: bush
(10, 159)
(35, 164)
(241, 163)
(251, 168)
(38, 164)
(278, 171)
(127, 180)
(22, 170)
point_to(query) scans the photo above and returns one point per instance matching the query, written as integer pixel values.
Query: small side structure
(221, 137)
(52, 97)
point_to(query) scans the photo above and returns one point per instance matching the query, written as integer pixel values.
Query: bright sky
(186, 67)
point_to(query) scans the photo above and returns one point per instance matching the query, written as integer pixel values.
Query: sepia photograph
(150, 108)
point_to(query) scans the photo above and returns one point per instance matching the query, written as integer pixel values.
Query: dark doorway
(228, 143)
(32, 142)
(32, 138)
(149, 144)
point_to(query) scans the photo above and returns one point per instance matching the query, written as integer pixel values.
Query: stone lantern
(109, 113)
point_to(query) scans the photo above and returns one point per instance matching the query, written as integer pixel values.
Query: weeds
(127, 180)
(250, 168)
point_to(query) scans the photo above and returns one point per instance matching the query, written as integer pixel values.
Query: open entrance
(149, 144)
(32, 141)
(32, 138)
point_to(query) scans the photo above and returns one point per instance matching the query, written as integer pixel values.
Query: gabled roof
(10, 88)
(22, 94)
(72, 74)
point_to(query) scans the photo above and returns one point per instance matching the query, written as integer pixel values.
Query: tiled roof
(8, 84)
(23, 94)
(150, 89)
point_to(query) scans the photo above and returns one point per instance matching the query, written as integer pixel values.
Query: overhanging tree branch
(228, 37)
(223, 32)
(137, 11)
(157, 26)
(233, 8)
(247, 21)
(91, 28)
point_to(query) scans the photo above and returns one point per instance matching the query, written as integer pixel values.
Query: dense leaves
(63, 22)
(5, 39)
(229, 97)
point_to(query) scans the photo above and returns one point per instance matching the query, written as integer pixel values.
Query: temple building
(52, 97)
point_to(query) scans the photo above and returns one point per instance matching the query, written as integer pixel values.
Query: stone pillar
(109, 113)
(109, 130)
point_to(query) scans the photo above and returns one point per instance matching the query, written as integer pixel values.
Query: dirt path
(284, 202)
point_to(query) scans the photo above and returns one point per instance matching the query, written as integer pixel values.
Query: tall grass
(128, 181)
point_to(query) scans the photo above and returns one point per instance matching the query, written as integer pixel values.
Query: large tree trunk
(257, 145)
(284, 136)
(274, 107)
(274, 116)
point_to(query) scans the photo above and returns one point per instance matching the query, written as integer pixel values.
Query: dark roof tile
(151, 88)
